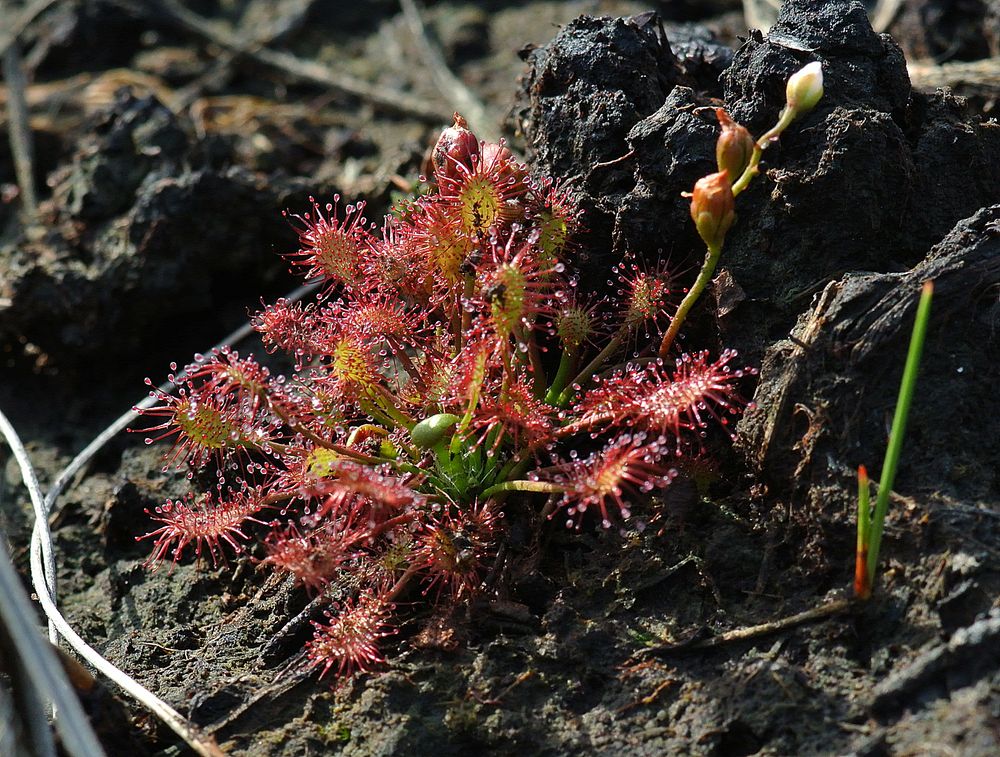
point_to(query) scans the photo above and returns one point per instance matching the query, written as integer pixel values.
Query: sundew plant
(446, 372)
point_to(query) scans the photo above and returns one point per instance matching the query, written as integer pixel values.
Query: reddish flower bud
(510, 170)
(712, 207)
(455, 145)
(734, 147)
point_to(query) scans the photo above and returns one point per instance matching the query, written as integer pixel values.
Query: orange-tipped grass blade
(862, 586)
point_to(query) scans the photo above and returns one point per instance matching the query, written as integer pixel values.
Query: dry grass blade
(983, 73)
(24, 720)
(465, 101)
(884, 13)
(390, 101)
(20, 23)
(41, 543)
(20, 130)
(749, 633)
(761, 14)
(72, 718)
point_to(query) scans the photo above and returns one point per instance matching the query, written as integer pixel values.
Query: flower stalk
(737, 155)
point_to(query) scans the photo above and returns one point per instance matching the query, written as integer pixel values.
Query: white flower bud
(805, 88)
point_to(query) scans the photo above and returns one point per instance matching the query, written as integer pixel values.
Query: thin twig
(20, 130)
(222, 65)
(884, 13)
(823, 611)
(980, 73)
(20, 23)
(463, 98)
(391, 101)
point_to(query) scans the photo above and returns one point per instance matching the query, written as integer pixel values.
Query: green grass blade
(895, 446)
(862, 585)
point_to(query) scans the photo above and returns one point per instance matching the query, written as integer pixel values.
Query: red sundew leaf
(348, 643)
(207, 422)
(628, 467)
(292, 327)
(207, 523)
(387, 495)
(484, 195)
(452, 547)
(523, 418)
(654, 399)
(331, 248)
(316, 557)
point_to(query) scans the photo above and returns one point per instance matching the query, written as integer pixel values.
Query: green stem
(895, 446)
(784, 121)
(753, 167)
(458, 437)
(508, 368)
(403, 467)
(592, 367)
(466, 317)
(386, 402)
(704, 276)
(376, 413)
(523, 486)
(712, 258)
(750, 171)
(567, 362)
(538, 380)
(456, 321)
(517, 466)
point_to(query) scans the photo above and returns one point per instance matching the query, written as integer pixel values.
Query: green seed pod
(432, 430)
